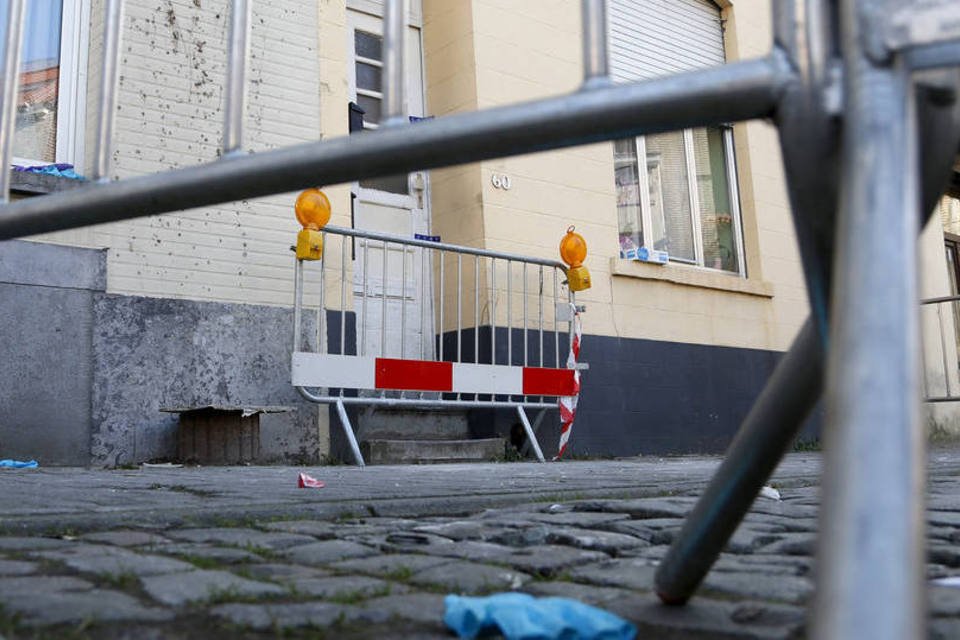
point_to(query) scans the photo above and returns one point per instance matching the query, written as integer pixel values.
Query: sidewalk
(241, 552)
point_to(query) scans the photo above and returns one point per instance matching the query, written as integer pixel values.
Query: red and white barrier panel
(366, 372)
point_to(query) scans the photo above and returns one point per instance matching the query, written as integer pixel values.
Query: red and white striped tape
(568, 403)
(366, 372)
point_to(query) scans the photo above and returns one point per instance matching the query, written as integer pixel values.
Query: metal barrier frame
(341, 400)
(949, 396)
(867, 144)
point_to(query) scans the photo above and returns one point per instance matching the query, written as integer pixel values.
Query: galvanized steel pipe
(109, 80)
(13, 46)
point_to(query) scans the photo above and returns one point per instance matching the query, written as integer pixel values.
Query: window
(52, 73)
(684, 203)
(676, 192)
(368, 70)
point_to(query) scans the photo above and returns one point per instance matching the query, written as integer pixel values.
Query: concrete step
(423, 451)
(376, 423)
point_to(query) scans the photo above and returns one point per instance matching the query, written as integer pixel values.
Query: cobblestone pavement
(197, 553)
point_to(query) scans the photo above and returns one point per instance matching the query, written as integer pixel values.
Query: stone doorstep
(413, 451)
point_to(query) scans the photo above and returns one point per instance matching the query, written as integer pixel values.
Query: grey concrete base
(414, 451)
(403, 424)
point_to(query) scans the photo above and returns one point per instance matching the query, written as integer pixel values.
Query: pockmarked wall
(213, 284)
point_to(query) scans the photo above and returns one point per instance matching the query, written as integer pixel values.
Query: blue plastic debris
(519, 616)
(60, 169)
(18, 464)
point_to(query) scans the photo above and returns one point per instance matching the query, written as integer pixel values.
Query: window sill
(34, 184)
(690, 277)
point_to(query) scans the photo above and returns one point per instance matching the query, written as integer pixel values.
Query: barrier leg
(764, 437)
(525, 449)
(348, 431)
(531, 436)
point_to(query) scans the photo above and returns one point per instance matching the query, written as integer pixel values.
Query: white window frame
(72, 85)
(646, 216)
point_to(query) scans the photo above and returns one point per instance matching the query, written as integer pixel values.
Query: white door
(392, 286)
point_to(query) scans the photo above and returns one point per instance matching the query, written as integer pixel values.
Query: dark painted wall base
(640, 397)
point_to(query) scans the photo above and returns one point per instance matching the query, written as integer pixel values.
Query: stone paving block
(16, 568)
(460, 530)
(74, 607)
(521, 535)
(348, 588)
(704, 619)
(470, 577)
(38, 585)
(316, 528)
(636, 528)
(242, 537)
(115, 561)
(785, 509)
(632, 573)
(283, 573)
(426, 608)
(746, 540)
(549, 560)
(177, 589)
(327, 552)
(17, 543)
(944, 629)
(792, 544)
(578, 519)
(264, 617)
(125, 538)
(947, 555)
(396, 565)
(944, 601)
(588, 593)
(474, 551)
(210, 554)
(944, 518)
(749, 585)
(605, 541)
(641, 508)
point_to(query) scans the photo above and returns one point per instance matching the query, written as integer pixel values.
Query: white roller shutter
(651, 38)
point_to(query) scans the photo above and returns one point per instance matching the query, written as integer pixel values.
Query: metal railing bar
(493, 311)
(596, 68)
(403, 304)
(383, 301)
(441, 301)
(297, 302)
(526, 349)
(540, 314)
(343, 296)
(476, 308)
(394, 32)
(362, 322)
(556, 322)
(423, 402)
(446, 246)
(13, 47)
(940, 299)
(509, 312)
(459, 306)
(943, 351)
(729, 93)
(320, 346)
(109, 82)
(238, 51)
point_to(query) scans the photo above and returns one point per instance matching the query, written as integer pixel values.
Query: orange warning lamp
(313, 213)
(573, 251)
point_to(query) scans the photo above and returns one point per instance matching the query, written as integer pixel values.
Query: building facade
(697, 282)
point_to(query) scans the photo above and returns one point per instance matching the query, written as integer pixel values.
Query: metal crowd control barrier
(419, 289)
(940, 321)
(864, 94)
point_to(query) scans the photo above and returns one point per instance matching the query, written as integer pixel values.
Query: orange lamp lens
(573, 248)
(312, 209)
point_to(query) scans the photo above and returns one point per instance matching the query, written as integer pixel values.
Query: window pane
(36, 124)
(368, 77)
(716, 206)
(371, 109)
(670, 196)
(368, 45)
(627, 178)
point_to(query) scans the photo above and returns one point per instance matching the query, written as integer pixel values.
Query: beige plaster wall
(475, 58)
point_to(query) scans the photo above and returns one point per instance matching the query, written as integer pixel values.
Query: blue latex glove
(520, 616)
(17, 464)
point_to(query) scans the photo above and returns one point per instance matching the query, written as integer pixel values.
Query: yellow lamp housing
(309, 244)
(573, 251)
